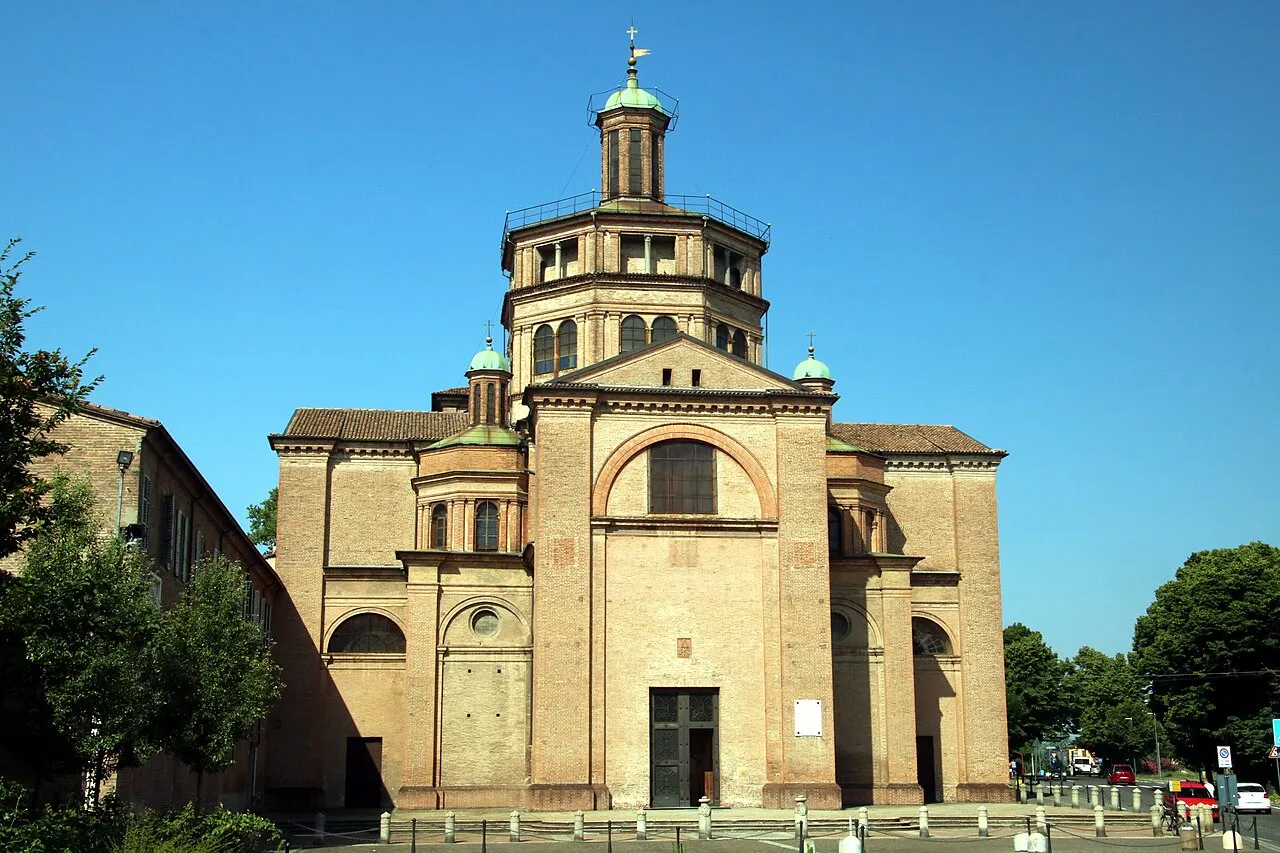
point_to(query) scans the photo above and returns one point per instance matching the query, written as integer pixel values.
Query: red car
(1121, 774)
(1192, 794)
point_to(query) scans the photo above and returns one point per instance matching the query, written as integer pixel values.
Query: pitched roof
(909, 438)
(374, 424)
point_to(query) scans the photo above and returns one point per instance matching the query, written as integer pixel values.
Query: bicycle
(1171, 820)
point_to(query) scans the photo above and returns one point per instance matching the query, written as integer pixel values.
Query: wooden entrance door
(684, 746)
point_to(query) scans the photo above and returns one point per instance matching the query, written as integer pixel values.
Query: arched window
(567, 345)
(835, 532)
(927, 638)
(367, 634)
(664, 329)
(682, 478)
(632, 333)
(486, 526)
(740, 344)
(722, 337)
(544, 350)
(488, 403)
(475, 404)
(735, 278)
(440, 526)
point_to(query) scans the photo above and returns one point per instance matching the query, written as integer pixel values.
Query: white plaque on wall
(808, 718)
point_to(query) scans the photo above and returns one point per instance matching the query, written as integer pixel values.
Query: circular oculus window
(839, 626)
(484, 623)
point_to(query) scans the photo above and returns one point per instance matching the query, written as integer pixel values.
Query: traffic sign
(1275, 752)
(1275, 732)
(1224, 757)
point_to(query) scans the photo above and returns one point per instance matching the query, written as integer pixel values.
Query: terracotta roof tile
(375, 424)
(908, 438)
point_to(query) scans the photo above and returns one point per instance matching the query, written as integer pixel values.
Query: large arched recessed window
(664, 329)
(439, 526)
(682, 478)
(928, 638)
(367, 634)
(722, 337)
(567, 345)
(835, 532)
(486, 526)
(632, 333)
(740, 344)
(544, 350)
(490, 416)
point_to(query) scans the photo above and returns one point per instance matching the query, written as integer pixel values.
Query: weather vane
(635, 51)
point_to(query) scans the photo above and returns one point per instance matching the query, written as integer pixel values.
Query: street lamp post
(1155, 727)
(123, 459)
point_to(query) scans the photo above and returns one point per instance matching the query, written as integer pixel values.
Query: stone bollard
(704, 818)
(1137, 799)
(384, 827)
(1157, 820)
(1099, 822)
(864, 821)
(515, 825)
(450, 828)
(802, 816)
(319, 824)
(1040, 796)
(1037, 843)
(579, 825)
(642, 830)
(1115, 798)
(1040, 819)
(983, 828)
(1093, 795)
(1075, 796)
(1232, 840)
(924, 821)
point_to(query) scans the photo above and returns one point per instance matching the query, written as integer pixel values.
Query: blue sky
(1055, 226)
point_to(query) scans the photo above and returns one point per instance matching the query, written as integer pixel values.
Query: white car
(1081, 767)
(1252, 798)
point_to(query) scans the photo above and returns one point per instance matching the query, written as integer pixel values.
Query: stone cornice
(648, 281)
(293, 445)
(940, 462)
(934, 577)
(662, 524)
(364, 572)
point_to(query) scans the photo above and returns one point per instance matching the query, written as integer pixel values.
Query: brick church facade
(627, 565)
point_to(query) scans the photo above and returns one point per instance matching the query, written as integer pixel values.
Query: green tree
(216, 677)
(1112, 717)
(1034, 695)
(88, 620)
(262, 521)
(38, 390)
(1209, 645)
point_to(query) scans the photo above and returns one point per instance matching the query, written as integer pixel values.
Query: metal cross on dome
(811, 340)
(488, 329)
(631, 31)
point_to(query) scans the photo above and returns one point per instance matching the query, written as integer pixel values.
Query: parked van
(1082, 765)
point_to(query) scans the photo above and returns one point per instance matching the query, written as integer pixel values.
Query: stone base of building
(484, 796)
(898, 794)
(983, 792)
(818, 795)
(858, 794)
(557, 798)
(417, 797)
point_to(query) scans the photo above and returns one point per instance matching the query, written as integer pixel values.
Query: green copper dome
(633, 96)
(811, 368)
(487, 359)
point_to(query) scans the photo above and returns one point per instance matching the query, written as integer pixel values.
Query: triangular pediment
(644, 368)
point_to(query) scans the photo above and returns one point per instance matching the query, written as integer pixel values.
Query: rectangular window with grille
(635, 163)
(682, 478)
(166, 540)
(614, 163)
(144, 509)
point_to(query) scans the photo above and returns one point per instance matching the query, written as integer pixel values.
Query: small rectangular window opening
(666, 376)
(697, 378)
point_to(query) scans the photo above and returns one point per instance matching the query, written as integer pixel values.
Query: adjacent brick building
(148, 487)
(628, 565)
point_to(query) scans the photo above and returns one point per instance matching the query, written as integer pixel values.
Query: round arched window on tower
(839, 626)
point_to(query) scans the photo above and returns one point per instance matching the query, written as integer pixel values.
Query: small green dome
(811, 368)
(633, 96)
(487, 359)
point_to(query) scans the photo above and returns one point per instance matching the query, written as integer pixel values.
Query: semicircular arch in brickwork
(690, 432)
(464, 610)
(358, 611)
